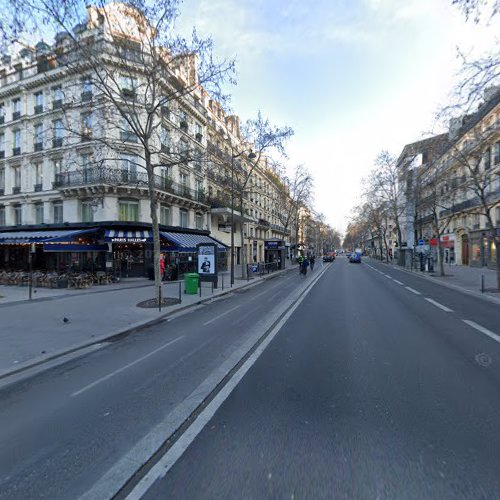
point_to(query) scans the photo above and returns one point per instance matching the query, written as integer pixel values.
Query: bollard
(482, 283)
(159, 298)
(199, 287)
(180, 293)
(222, 282)
(212, 287)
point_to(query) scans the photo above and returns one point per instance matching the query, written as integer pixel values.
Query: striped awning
(47, 236)
(185, 242)
(127, 235)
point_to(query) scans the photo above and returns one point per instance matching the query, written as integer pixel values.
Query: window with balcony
(16, 109)
(58, 133)
(57, 207)
(183, 120)
(38, 103)
(86, 122)
(166, 177)
(184, 219)
(184, 151)
(199, 221)
(38, 137)
(87, 89)
(16, 150)
(16, 189)
(18, 214)
(165, 140)
(487, 159)
(2, 113)
(57, 169)
(57, 97)
(38, 176)
(2, 146)
(2, 215)
(128, 86)
(164, 215)
(87, 211)
(126, 132)
(475, 221)
(496, 153)
(2, 181)
(198, 132)
(39, 216)
(128, 166)
(128, 211)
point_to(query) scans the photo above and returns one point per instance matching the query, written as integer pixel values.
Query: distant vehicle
(356, 256)
(329, 257)
(348, 254)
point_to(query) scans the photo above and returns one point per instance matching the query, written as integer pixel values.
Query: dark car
(328, 258)
(355, 257)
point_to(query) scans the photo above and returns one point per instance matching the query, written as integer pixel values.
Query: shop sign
(128, 240)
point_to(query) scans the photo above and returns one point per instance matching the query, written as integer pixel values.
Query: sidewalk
(33, 332)
(464, 278)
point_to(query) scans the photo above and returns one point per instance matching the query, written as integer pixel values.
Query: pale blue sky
(350, 77)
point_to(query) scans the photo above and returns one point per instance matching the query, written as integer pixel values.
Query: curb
(116, 335)
(485, 296)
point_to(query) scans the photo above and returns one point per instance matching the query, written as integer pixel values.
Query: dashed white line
(398, 282)
(437, 304)
(220, 316)
(123, 368)
(412, 290)
(388, 276)
(482, 329)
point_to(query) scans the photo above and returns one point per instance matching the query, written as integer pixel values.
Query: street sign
(421, 242)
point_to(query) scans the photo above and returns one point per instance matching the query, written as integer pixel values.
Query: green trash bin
(191, 281)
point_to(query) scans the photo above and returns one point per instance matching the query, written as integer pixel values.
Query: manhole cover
(153, 303)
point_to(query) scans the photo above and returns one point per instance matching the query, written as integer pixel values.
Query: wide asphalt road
(379, 386)
(84, 427)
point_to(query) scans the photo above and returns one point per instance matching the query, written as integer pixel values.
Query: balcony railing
(16, 190)
(119, 177)
(38, 109)
(16, 115)
(57, 104)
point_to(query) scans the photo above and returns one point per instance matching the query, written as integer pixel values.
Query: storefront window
(128, 211)
(476, 250)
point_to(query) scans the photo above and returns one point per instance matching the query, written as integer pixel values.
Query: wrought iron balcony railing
(119, 177)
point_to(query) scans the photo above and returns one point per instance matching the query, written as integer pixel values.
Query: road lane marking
(220, 315)
(482, 329)
(412, 290)
(437, 304)
(398, 282)
(161, 468)
(123, 368)
(388, 276)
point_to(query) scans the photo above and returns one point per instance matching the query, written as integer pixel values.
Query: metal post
(212, 287)
(199, 287)
(222, 275)
(180, 293)
(482, 283)
(30, 259)
(159, 298)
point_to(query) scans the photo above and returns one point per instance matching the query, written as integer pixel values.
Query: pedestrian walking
(312, 260)
(300, 260)
(305, 265)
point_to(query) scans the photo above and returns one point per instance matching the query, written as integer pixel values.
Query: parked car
(328, 258)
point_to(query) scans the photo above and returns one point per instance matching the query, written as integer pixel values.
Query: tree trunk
(440, 256)
(153, 203)
(242, 238)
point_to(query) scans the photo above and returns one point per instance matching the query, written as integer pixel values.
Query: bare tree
(236, 167)
(477, 74)
(296, 192)
(135, 72)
